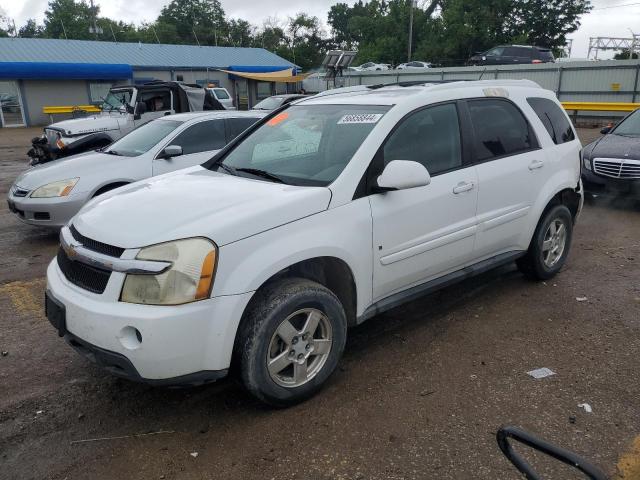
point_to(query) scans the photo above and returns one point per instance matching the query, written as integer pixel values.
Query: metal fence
(602, 81)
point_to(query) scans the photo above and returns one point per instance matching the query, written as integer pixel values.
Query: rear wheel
(549, 246)
(291, 341)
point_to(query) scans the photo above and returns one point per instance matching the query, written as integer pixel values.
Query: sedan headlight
(586, 162)
(61, 188)
(189, 278)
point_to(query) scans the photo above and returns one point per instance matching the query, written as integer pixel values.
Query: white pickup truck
(123, 109)
(325, 213)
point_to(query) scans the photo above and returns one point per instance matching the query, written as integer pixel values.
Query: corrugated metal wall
(602, 81)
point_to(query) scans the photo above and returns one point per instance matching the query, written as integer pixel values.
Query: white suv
(318, 217)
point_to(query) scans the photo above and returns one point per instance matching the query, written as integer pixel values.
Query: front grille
(20, 192)
(617, 168)
(84, 276)
(96, 246)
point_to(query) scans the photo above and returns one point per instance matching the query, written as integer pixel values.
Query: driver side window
(430, 136)
(157, 101)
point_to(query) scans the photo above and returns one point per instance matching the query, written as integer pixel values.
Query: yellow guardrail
(70, 109)
(600, 106)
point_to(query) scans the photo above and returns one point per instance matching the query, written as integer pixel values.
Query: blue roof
(138, 55)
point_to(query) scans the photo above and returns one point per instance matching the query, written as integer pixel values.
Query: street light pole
(411, 7)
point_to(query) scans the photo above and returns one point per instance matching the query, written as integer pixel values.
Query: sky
(611, 18)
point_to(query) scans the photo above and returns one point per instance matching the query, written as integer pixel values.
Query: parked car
(124, 108)
(513, 55)
(318, 217)
(415, 65)
(611, 164)
(49, 195)
(222, 95)
(276, 101)
(369, 66)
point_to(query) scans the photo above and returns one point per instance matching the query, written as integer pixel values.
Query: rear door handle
(463, 187)
(536, 164)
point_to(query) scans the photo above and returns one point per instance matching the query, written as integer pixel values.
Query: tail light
(536, 61)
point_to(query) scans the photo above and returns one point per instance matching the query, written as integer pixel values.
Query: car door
(157, 102)
(199, 143)
(422, 233)
(493, 56)
(511, 173)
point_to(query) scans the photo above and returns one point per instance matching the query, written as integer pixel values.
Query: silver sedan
(50, 194)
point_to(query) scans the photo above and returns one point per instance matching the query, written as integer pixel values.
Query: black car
(611, 164)
(512, 55)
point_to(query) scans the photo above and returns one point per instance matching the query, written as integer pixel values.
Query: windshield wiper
(261, 173)
(226, 168)
(112, 152)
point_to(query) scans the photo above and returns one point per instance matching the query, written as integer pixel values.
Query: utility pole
(412, 4)
(155, 34)
(64, 30)
(93, 15)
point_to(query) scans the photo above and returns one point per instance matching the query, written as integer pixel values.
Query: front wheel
(549, 246)
(291, 341)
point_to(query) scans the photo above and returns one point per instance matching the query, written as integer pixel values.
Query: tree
(68, 19)
(240, 33)
(31, 30)
(624, 55)
(195, 20)
(306, 41)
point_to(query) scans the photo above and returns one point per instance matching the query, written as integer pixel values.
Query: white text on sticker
(360, 118)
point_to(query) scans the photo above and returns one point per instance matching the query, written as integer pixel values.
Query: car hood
(615, 146)
(195, 202)
(82, 165)
(96, 123)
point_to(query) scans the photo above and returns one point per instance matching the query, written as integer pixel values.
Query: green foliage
(624, 55)
(67, 18)
(31, 30)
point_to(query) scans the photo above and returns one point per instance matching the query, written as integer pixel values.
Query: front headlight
(189, 279)
(61, 188)
(586, 162)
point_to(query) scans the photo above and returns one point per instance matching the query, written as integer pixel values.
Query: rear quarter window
(553, 118)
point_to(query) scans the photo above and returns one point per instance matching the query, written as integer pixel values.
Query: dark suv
(512, 54)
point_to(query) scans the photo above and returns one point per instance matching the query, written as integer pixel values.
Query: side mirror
(141, 108)
(403, 174)
(606, 130)
(171, 151)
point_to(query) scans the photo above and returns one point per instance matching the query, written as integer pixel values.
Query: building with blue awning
(52, 72)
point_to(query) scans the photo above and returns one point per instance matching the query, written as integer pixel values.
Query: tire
(266, 335)
(548, 250)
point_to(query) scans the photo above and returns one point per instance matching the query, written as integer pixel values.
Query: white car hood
(96, 123)
(195, 202)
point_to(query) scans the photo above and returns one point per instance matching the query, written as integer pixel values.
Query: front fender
(344, 232)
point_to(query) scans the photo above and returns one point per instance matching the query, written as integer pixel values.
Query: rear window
(553, 119)
(221, 93)
(546, 55)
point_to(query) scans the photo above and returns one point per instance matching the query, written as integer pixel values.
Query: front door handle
(463, 187)
(536, 164)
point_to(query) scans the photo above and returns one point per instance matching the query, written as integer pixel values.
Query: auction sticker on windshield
(360, 118)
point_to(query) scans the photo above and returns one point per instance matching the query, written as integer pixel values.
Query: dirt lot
(419, 394)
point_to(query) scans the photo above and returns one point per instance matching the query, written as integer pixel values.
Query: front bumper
(46, 212)
(183, 344)
(606, 186)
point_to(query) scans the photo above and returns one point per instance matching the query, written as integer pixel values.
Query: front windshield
(116, 99)
(270, 103)
(306, 144)
(630, 126)
(143, 138)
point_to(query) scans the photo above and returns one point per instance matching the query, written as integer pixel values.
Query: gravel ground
(419, 394)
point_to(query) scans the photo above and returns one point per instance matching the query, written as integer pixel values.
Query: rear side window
(500, 129)
(553, 119)
(518, 52)
(235, 126)
(546, 55)
(202, 137)
(430, 136)
(221, 93)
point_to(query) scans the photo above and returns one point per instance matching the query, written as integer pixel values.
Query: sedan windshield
(630, 127)
(116, 99)
(270, 103)
(143, 138)
(305, 144)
